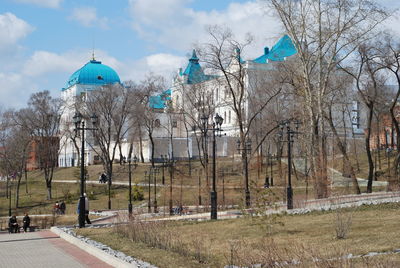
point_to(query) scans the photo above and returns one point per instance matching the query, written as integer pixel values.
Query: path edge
(92, 250)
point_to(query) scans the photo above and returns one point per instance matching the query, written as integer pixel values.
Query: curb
(92, 250)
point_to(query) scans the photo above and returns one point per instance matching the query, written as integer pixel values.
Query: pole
(109, 192)
(130, 188)
(199, 175)
(171, 173)
(82, 197)
(155, 190)
(271, 176)
(149, 202)
(9, 199)
(375, 167)
(289, 187)
(223, 188)
(246, 170)
(163, 176)
(213, 193)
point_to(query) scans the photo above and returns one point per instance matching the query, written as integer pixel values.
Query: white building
(90, 77)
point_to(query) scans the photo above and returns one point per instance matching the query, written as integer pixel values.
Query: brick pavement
(43, 249)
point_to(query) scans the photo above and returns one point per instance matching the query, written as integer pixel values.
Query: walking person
(26, 222)
(62, 207)
(87, 209)
(56, 208)
(13, 224)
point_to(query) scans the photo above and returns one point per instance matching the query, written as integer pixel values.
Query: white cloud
(43, 3)
(12, 29)
(176, 25)
(87, 16)
(44, 62)
(15, 89)
(163, 62)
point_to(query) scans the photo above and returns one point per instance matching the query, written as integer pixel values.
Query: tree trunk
(152, 149)
(368, 149)
(345, 155)
(319, 168)
(141, 146)
(49, 197)
(17, 191)
(26, 179)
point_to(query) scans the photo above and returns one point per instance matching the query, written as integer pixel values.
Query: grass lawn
(259, 239)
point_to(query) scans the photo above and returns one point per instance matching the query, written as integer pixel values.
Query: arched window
(157, 123)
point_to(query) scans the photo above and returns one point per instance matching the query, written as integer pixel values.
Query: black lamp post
(169, 162)
(135, 160)
(271, 170)
(148, 202)
(290, 138)
(216, 127)
(9, 196)
(80, 125)
(154, 172)
(245, 150)
(163, 159)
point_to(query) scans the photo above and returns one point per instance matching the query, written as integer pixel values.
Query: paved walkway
(43, 249)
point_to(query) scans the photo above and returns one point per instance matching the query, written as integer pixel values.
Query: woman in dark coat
(26, 222)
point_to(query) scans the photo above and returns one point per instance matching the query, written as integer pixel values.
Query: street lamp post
(80, 125)
(271, 177)
(9, 197)
(135, 160)
(290, 138)
(169, 162)
(245, 150)
(162, 167)
(149, 200)
(154, 172)
(216, 127)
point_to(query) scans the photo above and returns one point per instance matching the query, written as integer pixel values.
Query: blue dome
(93, 73)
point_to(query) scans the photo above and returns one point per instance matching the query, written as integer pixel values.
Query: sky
(42, 42)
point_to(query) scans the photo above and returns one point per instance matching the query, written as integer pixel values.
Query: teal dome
(93, 73)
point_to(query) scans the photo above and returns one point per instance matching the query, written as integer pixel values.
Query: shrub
(343, 221)
(137, 193)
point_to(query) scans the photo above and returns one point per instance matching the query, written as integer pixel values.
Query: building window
(177, 101)
(157, 123)
(225, 115)
(229, 116)
(174, 123)
(216, 95)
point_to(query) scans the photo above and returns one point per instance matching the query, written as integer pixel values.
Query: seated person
(13, 224)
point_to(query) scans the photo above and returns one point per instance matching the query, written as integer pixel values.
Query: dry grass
(229, 171)
(260, 240)
(34, 202)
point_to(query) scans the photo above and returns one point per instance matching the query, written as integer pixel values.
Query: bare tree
(110, 104)
(368, 82)
(223, 55)
(42, 120)
(147, 110)
(390, 60)
(196, 101)
(15, 143)
(325, 33)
